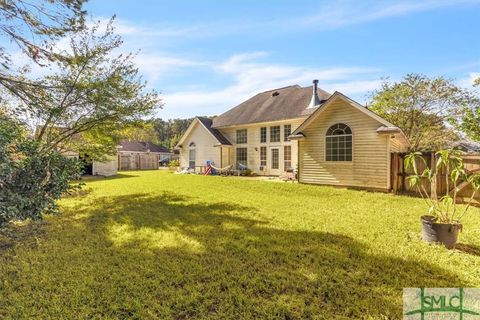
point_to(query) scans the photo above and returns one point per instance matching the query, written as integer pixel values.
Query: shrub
(174, 163)
(30, 181)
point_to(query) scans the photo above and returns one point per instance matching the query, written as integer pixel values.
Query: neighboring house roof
(142, 146)
(277, 104)
(466, 146)
(385, 128)
(206, 123)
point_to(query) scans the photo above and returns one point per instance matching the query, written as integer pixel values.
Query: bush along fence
(399, 175)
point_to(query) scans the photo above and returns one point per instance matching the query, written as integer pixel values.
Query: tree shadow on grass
(174, 257)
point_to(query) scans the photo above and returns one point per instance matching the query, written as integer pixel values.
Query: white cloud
(248, 77)
(337, 14)
(332, 15)
(467, 82)
(156, 66)
(126, 28)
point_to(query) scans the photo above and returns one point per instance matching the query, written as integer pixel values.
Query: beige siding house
(328, 138)
(356, 152)
(199, 145)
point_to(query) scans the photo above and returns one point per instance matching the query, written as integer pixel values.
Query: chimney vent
(315, 102)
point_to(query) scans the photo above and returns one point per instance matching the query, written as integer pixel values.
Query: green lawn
(152, 245)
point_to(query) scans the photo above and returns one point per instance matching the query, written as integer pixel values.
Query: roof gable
(205, 123)
(335, 96)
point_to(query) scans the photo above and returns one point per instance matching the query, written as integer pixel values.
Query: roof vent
(274, 94)
(315, 102)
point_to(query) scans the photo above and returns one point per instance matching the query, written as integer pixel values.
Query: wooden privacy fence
(138, 161)
(399, 175)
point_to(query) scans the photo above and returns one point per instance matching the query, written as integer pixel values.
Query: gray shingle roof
(277, 104)
(208, 124)
(466, 145)
(142, 146)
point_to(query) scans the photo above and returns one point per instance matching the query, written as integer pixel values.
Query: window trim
(261, 136)
(246, 156)
(241, 131)
(272, 167)
(285, 160)
(279, 133)
(192, 147)
(347, 162)
(285, 136)
(263, 161)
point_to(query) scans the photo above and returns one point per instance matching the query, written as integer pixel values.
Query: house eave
(298, 136)
(388, 130)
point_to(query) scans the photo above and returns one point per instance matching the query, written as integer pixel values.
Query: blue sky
(207, 56)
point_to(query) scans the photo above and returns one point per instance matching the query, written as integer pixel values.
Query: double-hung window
(263, 134)
(275, 134)
(263, 156)
(241, 136)
(191, 155)
(287, 157)
(242, 157)
(287, 130)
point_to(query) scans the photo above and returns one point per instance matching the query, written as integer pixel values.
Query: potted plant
(443, 221)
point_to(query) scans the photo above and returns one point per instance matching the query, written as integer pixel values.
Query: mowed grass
(153, 245)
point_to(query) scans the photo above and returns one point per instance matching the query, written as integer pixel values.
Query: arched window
(191, 155)
(338, 143)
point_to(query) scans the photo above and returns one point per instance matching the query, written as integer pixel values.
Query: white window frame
(263, 135)
(242, 136)
(331, 136)
(263, 161)
(285, 161)
(246, 156)
(285, 135)
(192, 150)
(279, 134)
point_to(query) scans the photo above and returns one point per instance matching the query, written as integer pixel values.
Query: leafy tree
(32, 26)
(421, 107)
(170, 131)
(468, 120)
(91, 96)
(142, 130)
(30, 181)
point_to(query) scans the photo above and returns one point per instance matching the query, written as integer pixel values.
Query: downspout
(221, 157)
(298, 161)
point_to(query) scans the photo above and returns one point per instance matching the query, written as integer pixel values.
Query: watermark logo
(441, 303)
